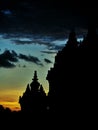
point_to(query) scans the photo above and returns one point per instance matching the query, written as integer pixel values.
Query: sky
(31, 34)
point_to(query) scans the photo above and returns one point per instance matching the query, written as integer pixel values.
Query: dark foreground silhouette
(72, 96)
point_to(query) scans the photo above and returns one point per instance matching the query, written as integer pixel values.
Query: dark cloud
(10, 56)
(42, 42)
(49, 42)
(33, 41)
(19, 42)
(50, 45)
(7, 59)
(49, 52)
(30, 59)
(56, 47)
(14, 53)
(45, 17)
(15, 35)
(6, 12)
(47, 61)
(6, 64)
(53, 48)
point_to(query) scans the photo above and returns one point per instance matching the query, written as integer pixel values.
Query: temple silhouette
(33, 99)
(72, 80)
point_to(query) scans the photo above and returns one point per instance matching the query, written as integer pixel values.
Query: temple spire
(35, 84)
(35, 76)
(72, 41)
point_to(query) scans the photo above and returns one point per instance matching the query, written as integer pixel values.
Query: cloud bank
(9, 58)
